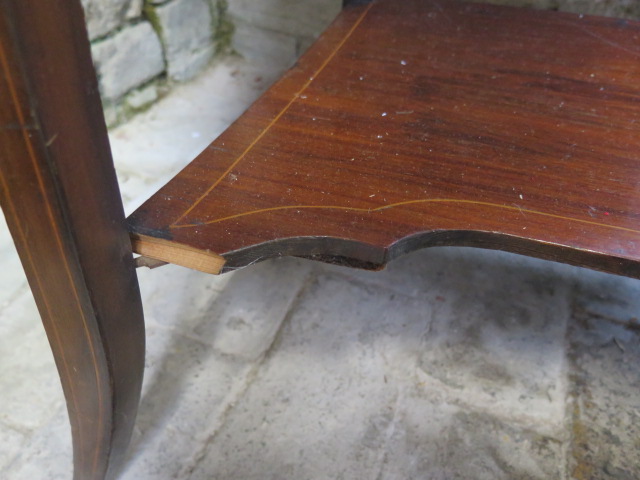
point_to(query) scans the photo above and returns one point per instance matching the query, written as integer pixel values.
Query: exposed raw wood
(167, 251)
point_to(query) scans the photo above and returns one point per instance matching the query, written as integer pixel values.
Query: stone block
(47, 453)
(450, 443)
(342, 397)
(187, 390)
(128, 59)
(291, 17)
(142, 97)
(176, 297)
(244, 319)
(608, 296)
(186, 30)
(263, 46)
(11, 442)
(497, 337)
(135, 9)
(185, 67)
(605, 407)
(497, 333)
(25, 354)
(103, 16)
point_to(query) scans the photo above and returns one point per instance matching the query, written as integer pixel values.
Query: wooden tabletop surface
(421, 123)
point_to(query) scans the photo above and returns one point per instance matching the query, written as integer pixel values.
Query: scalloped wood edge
(358, 254)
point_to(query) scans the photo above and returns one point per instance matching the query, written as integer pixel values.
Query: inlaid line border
(277, 117)
(99, 431)
(406, 202)
(176, 225)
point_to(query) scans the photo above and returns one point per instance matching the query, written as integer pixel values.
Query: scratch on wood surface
(520, 209)
(608, 42)
(252, 262)
(53, 138)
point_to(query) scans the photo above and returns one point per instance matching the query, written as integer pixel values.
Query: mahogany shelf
(421, 123)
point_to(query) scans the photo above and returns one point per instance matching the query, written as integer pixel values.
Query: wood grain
(184, 255)
(62, 204)
(421, 123)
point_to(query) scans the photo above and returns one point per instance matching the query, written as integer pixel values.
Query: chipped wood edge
(167, 251)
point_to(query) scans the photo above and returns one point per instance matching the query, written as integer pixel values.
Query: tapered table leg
(59, 194)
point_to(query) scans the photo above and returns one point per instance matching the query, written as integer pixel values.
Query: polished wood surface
(416, 123)
(62, 204)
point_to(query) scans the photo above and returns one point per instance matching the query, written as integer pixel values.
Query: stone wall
(141, 47)
(279, 31)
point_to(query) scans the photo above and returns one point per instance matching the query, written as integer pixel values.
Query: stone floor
(451, 363)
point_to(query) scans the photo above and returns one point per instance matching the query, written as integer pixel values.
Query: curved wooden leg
(60, 196)
(100, 362)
